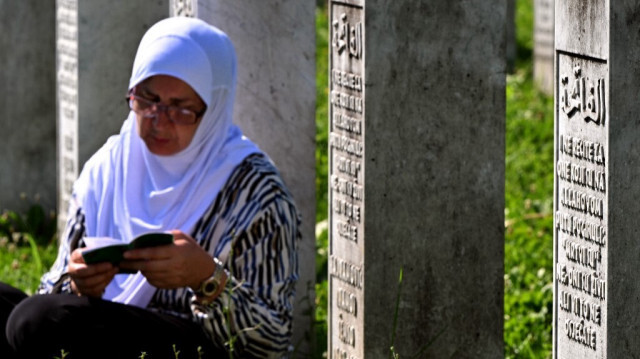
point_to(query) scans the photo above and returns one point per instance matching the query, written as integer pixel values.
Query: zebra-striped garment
(252, 227)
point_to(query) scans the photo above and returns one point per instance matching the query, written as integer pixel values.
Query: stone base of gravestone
(27, 104)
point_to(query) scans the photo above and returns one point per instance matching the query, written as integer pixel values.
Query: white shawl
(125, 190)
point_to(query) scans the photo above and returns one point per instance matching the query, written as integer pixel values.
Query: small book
(105, 249)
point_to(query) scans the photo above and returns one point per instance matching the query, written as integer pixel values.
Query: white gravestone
(597, 166)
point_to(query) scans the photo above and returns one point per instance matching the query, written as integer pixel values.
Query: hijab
(125, 190)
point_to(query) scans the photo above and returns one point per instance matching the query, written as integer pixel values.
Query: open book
(105, 249)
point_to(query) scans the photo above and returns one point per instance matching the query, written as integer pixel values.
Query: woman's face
(161, 135)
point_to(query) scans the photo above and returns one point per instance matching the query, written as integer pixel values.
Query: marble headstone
(417, 116)
(597, 166)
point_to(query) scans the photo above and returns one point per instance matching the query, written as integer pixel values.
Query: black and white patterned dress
(252, 227)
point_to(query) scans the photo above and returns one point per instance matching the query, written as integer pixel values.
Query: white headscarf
(126, 190)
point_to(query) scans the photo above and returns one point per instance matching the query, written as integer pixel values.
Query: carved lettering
(582, 149)
(347, 80)
(185, 8)
(68, 185)
(347, 123)
(346, 209)
(347, 333)
(581, 254)
(348, 166)
(584, 97)
(346, 144)
(347, 36)
(347, 188)
(346, 101)
(581, 228)
(580, 307)
(346, 272)
(582, 202)
(581, 175)
(347, 231)
(581, 333)
(341, 354)
(347, 301)
(589, 283)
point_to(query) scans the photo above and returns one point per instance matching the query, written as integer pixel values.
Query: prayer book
(105, 249)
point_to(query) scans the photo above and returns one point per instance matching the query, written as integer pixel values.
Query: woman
(178, 165)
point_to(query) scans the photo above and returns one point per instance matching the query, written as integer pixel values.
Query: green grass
(528, 301)
(27, 247)
(528, 220)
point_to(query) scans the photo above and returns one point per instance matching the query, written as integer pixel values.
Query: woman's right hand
(89, 279)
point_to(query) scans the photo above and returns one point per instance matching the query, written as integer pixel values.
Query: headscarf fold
(125, 190)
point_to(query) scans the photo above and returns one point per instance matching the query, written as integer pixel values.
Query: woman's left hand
(181, 264)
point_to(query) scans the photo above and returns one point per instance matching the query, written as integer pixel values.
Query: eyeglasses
(150, 109)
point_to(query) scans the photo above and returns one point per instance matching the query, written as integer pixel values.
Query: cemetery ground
(28, 248)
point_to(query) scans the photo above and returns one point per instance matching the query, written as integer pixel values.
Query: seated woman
(179, 166)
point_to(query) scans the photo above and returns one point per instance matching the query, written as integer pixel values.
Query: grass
(528, 213)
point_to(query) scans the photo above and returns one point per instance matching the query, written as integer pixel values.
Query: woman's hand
(181, 264)
(89, 279)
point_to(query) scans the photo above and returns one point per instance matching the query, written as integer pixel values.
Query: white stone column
(596, 189)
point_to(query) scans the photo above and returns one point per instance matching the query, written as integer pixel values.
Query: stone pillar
(417, 140)
(96, 45)
(275, 107)
(27, 104)
(543, 45)
(596, 193)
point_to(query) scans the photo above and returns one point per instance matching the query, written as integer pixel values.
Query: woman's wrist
(211, 287)
(205, 269)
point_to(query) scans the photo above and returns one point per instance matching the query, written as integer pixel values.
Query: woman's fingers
(94, 285)
(90, 280)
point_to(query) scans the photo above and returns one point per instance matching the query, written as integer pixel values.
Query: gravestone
(27, 104)
(417, 116)
(275, 107)
(597, 164)
(96, 45)
(543, 44)
(275, 99)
